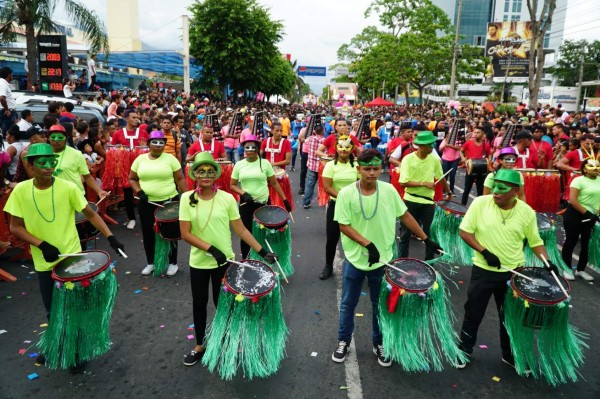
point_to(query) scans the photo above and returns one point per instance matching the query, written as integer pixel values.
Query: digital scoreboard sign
(52, 63)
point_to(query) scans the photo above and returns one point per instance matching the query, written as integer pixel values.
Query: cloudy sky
(314, 29)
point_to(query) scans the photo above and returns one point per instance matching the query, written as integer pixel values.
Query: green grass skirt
(445, 231)
(594, 247)
(549, 238)
(281, 243)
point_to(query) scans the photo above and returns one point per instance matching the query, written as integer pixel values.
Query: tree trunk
(421, 95)
(407, 93)
(31, 45)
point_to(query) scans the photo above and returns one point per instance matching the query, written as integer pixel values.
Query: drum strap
(523, 157)
(131, 138)
(212, 146)
(422, 197)
(273, 151)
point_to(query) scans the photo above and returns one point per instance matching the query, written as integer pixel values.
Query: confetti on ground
(137, 291)
(317, 312)
(22, 351)
(191, 326)
(359, 315)
(497, 379)
(9, 297)
(23, 293)
(4, 332)
(314, 354)
(32, 355)
(454, 385)
(363, 293)
(190, 336)
(44, 325)
(145, 288)
(24, 266)
(343, 388)
(298, 256)
(460, 282)
(33, 376)
(190, 329)
(127, 272)
(483, 346)
(31, 272)
(162, 326)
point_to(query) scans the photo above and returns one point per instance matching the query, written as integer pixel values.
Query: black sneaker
(78, 368)
(306, 206)
(192, 358)
(341, 352)
(510, 360)
(301, 191)
(40, 359)
(326, 273)
(382, 359)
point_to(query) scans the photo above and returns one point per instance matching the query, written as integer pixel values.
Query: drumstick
(292, 217)
(395, 268)
(102, 199)
(152, 203)
(554, 275)
(72, 255)
(277, 261)
(518, 274)
(445, 174)
(122, 253)
(242, 264)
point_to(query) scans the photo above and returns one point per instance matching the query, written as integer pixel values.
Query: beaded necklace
(360, 200)
(38, 209)
(212, 205)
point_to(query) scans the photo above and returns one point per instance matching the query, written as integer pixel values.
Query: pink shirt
(448, 154)
(229, 142)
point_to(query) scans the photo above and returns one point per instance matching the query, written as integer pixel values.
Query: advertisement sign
(507, 48)
(52, 60)
(554, 95)
(312, 71)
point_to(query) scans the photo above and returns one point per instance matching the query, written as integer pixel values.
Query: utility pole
(581, 62)
(455, 52)
(186, 53)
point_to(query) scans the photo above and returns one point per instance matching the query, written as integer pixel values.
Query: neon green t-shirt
(341, 174)
(416, 169)
(210, 223)
(61, 232)
(489, 180)
(252, 179)
(71, 166)
(380, 230)
(156, 175)
(484, 219)
(589, 192)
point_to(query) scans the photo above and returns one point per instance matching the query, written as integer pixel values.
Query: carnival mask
(157, 143)
(345, 143)
(58, 137)
(45, 162)
(501, 188)
(205, 172)
(592, 165)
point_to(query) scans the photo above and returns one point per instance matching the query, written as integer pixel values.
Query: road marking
(351, 364)
(462, 191)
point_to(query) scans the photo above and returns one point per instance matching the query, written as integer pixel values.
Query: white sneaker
(131, 225)
(584, 275)
(148, 270)
(172, 270)
(568, 275)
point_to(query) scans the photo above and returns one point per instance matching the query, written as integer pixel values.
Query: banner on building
(507, 48)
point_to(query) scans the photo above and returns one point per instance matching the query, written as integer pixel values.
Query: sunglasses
(45, 162)
(158, 143)
(58, 137)
(205, 173)
(249, 148)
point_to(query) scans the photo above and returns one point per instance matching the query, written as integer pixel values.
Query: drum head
(271, 216)
(170, 211)
(453, 207)
(76, 268)
(544, 291)
(254, 280)
(543, 222)
(420, 276)
(80, 217)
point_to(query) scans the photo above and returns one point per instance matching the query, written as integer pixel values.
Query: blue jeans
(451, 178)
(231, 154)
(311, 181)
(7, 121)
(352, 282)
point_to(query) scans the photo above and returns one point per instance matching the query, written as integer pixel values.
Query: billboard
(507, 48)
(312, 71)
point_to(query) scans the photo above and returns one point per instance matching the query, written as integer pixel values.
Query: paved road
(146, 360)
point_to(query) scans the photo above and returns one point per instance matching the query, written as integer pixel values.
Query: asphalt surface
(149, 332)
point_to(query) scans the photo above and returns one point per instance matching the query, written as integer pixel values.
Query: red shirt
(216, 148)
(546, 148)
(526, 159)
(474, 151)
(575, 158)
(331, 143)
(275, 152)
(119, 137)
(394, 143)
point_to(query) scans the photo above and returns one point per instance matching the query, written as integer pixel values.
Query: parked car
(39, 110)
(24, 97)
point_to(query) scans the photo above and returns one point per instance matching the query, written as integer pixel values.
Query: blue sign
(312, 71)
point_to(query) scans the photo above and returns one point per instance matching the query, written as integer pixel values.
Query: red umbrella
(379, 102)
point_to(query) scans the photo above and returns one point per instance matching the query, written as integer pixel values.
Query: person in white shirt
(91, 64)
(68, 87)
(7, 100)
(26, 120)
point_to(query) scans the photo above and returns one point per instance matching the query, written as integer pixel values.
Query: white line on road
(351, 364)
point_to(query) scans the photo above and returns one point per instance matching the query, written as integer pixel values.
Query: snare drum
(415, 317)
(477, 167)
(322, 196)
(82, 303)
(445, 230)
(85, 230)
(395, 180)
(248, 331)
(547, 233)
(167, 221)
(271, 225)
(224, 181)
(284, 182)
(538, 310)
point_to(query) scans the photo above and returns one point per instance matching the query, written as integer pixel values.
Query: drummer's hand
(269, 257)
(218, 255)
(429, 185)
(430, 244)
(143, 197)
(103, 194)
(373, 254)
(115, 244)
(491, 259)
(552, 268)
(287, 205)
(49, 251)
(247, 198)
(448, 197)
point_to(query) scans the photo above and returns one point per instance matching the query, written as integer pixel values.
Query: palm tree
(300, 87)
(35, 18)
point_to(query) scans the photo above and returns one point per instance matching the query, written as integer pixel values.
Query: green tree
(566, 69)
(235, 42)
(279, 77)
(35, 18)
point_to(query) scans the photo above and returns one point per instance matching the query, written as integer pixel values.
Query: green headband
(376, 161)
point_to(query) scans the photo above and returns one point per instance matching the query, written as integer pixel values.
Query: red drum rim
(388, 271)
(167, 205)
(443, 204)
(85, 277)
(522, 295)
(271, 225)
(252, 262)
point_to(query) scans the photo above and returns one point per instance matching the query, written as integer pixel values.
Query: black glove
(373, 254)
(49, 251)
(432, 245)
(269, 257)
(287, 205)
(142, 196)
(115, 244)
(589, 215)
(552, 268)
(247, 198)
(218, 255)
(491, 259)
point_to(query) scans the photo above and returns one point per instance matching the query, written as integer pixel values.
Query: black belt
(421, 196)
